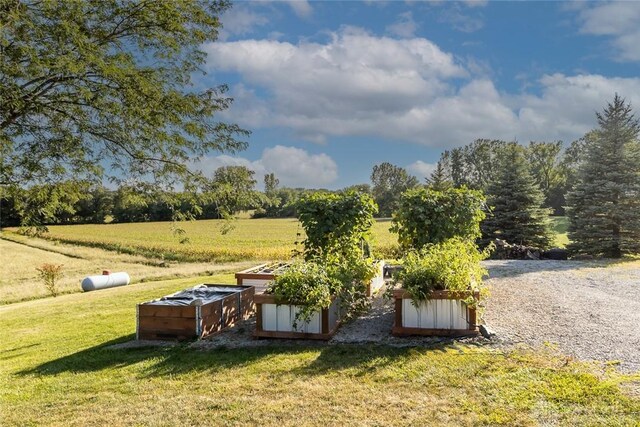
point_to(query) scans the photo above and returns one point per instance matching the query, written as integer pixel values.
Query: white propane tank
(104, 281)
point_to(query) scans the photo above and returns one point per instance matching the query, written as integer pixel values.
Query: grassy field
(20, 257)
(58, 369)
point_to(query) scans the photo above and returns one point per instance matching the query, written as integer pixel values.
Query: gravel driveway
(590, 311)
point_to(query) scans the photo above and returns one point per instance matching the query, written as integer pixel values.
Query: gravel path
(588, 311)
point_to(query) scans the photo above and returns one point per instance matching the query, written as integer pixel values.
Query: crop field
(255, 239)
(250, 239)
(58, 368)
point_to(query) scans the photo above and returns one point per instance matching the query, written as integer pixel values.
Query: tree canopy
(103, 88)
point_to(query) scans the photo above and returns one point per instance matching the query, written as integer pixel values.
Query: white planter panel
(285, 318)
(269, 317)
(410, 314)
(435, 314)
(255, 282)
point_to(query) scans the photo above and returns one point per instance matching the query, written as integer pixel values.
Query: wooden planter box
(378, 281)
(444, 314)
(171, 319)
(260, 275)
(276, 320)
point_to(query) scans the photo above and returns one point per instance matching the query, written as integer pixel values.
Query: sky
(330, 89)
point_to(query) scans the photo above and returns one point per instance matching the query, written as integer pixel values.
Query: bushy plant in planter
(303, 302)
(441, 286)
(310, 298)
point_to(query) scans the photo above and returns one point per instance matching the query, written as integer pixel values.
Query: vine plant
(335, 258)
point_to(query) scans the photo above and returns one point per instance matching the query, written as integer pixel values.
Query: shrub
(50, 273)
(307, 285)
(427, 216)
(452, 265)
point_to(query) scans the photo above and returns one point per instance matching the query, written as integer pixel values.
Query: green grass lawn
(57, 369)
(559, 226)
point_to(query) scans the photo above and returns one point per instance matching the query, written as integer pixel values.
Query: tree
(231, 190)
(440, 179)
(88, 83)
(271, 184)
(388, 183)
(516, 202)
(546, 167)
(604, 204)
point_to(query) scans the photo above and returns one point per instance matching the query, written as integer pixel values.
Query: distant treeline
(232, 189)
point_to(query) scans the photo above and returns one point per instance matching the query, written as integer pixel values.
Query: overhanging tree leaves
(95, 85)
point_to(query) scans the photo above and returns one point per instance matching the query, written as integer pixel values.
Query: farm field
(58, 369)
(251, 239)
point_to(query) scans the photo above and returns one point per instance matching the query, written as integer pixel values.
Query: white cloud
(461, 21)
(240, 21)
(475, 3)
(294, 167)
(421, 169)
(357, 84)
(302, 8)
(620, 20)
(404, 26)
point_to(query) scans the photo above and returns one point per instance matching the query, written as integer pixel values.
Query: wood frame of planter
(274, 319)
(425, 319)
(185, 322)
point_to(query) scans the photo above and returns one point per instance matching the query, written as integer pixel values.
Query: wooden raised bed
(171, 319)
(260, 275)
(444, 314)
(275, 320)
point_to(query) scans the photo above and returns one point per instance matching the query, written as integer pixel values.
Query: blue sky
(330, 89)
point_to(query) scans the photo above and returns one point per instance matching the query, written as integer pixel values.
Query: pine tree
(604, 204)
(439, 178)
(518, 216)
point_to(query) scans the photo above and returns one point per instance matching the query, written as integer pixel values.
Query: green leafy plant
(338, 230)
(427, 216)
(452, 265)
(50, 273)
(308, 285)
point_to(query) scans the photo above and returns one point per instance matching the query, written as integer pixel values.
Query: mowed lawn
(21, 256)
(58, 369)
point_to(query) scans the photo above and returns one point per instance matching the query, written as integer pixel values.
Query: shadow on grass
(181, 359)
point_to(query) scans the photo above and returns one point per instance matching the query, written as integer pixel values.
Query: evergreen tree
(439, 179)
(604, 204)
(518, 216)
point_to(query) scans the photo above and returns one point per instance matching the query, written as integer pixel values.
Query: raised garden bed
(378, 281)
(275, 320)
(260, 275)
(444, 314)
(196, 312)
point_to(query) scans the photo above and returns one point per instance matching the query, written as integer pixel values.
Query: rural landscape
(152, 275)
